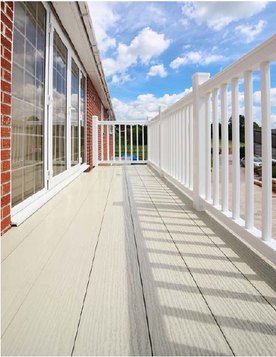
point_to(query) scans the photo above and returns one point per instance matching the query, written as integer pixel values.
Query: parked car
(257, 161)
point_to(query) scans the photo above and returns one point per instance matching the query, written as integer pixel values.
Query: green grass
(134, 150)
(229, 144)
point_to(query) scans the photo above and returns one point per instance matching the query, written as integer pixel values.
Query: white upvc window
(57, 109)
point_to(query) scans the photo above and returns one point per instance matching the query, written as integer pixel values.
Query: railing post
(160, 143)
(95, 140)
(198, 140)
(266, 152)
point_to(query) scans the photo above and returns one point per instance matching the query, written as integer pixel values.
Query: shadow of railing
(180, 319)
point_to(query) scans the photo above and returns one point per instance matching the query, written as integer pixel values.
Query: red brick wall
(94, 108)
(6, 56)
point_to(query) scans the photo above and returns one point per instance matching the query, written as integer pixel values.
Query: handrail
(187, 99)
(249, 62)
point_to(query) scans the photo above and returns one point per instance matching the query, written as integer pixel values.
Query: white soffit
(71, 19)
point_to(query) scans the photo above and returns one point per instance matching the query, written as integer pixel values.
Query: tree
(242, 127)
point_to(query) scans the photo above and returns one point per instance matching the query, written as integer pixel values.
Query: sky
(150, 50)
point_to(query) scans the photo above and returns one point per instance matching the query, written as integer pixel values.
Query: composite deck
(119, 263)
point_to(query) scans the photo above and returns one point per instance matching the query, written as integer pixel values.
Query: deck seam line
(48, 260)
(199, 289)
(245, 277)
(139, 266)
(91, 267)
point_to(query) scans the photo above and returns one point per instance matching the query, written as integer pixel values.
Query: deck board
(118, 264)
(242, 313)
(114, 319)
(47, 320)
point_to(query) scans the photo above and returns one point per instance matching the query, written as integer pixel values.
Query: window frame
(52, 23)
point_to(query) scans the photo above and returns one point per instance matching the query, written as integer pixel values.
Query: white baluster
(249, 156)
(266, 153)
(125, 142)
(215, 146)
(224, 129)
(186, 143)
(191, 162)
(208, 148)
(131, 142)
(235, 150)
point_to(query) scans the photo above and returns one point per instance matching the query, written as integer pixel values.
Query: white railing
(180, 143)
(116, 142)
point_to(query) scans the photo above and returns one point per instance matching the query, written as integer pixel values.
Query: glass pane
(28, 101)
(18, 48)
(59, 105)
(19, 16)
(30, 58)
(74, 113)
(17, 82)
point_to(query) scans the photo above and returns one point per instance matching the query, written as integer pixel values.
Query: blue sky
(150, 50)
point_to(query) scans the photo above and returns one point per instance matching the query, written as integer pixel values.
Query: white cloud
(120, 79)
(257, 97)
(250, 32)
(146, 45)
(103, 19)
(158, 70)
(146, 105)
(197, 58)
(218, 14)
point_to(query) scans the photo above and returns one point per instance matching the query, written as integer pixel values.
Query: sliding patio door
(48, 105)
(65, 107)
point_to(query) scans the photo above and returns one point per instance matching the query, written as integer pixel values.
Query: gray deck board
(118, 264)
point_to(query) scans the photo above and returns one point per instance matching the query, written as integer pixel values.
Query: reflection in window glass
(74, 113)
(27, 105)
(59, 105)
(82, 118)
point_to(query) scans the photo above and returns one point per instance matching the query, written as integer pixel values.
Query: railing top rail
(266, 52)
(123, 122)
(188, 99)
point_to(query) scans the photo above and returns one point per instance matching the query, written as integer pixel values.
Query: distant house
(52, 84)
(258, 142)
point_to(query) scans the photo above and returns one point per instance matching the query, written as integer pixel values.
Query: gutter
(86, 21)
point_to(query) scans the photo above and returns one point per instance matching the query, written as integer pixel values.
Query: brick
(7, 76)
(6, 211)
(6, 20)
(6, 43)
(8, 33)
(6, 87)
(7, 54)
(6, 98)
(10, 4)
(5, 64)
(5, 132)
(5, 224)
(5, 165)
(5, 200)
(5, 177)
(5, 120)
(5, 154)
(6, 188)
(5, 109)
(9, 12)
(6, 144)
